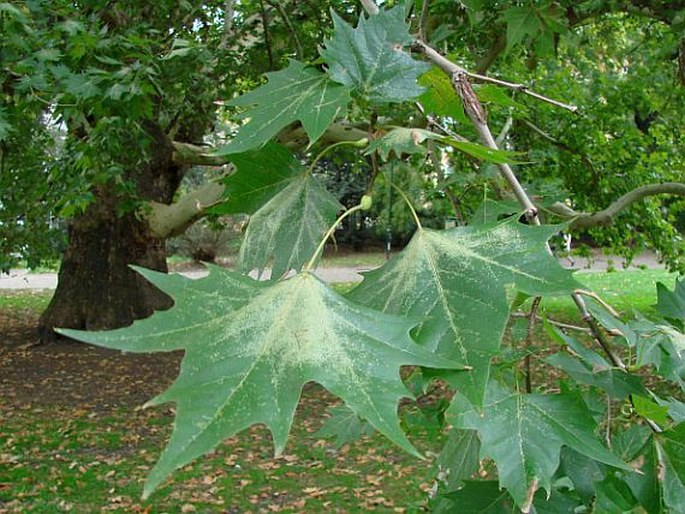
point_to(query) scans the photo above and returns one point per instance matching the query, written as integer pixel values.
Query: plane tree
(106, 105)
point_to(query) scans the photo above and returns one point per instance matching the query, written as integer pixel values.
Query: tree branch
(185, 154)
(370, 7)
(604, 217)
(452, 69)
(172, 220)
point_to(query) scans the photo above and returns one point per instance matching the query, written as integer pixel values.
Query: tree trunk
(97, 289)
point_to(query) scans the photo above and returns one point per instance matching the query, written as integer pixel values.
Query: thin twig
(281, 10)
(553, 322)
(597, 332)
(451, 69)
(529, 342)
(423, 19)
(597, 298)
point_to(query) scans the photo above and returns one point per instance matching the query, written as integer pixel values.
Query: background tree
(116, 99)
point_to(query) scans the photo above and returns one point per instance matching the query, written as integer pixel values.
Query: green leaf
(661, 346)
(591, 368)
(82, 85)
(491, 211)
(402, 140)
(259, 176)
(371, 57)
(290, 209)
(456, 281)
(458, 461)
(671, 304)
(489, 93)
(289, 227)
(344, 426)
(524, 434)
(618, 384)
(481, 497)
(583, 473)
(651, 410)
(440, 98)
(521, 22)
(614, 496)
(297, 93)
(249, 349)
(483, 152)
(671, 452)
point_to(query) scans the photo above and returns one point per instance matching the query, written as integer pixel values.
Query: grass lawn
(79, 455)
(626, 291)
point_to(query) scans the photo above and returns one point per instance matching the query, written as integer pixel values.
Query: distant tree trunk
(96, 288)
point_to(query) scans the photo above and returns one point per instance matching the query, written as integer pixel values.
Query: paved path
(22, 279)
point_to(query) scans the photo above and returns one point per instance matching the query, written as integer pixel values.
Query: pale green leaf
(457, 280)
(372, 59)
(524, 434)
(297, 93)
(82, 85)
(251, 346)
(401, 140)
(288, 228)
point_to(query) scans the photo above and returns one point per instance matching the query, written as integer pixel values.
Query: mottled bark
(97, 289)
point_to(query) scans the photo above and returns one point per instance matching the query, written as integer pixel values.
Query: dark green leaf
(521, 22)
(511, 427)
(371, 57)
(297, 93)
(671, 451)
(583, 473)
(481, 497)
(259, 176)
(459, 459)
(671, 304)
(613, 496)
(344, 426)
(250, 348)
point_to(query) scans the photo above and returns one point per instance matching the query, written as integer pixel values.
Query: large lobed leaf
(457, 280)
(297, 93)
(371, 57)
(249, 349)
(524, 434)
